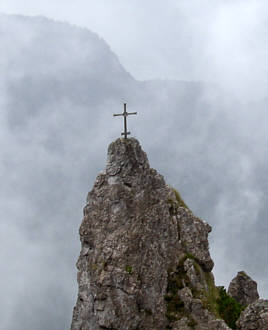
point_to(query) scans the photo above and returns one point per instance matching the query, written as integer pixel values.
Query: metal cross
(125, 114)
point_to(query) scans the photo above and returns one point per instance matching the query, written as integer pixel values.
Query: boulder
(254, 317)
(243, 289)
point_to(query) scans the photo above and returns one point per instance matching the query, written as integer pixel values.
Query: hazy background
(223, 41)
(204, 129)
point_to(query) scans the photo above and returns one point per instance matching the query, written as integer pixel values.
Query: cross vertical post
(125, 114)
(125, 121)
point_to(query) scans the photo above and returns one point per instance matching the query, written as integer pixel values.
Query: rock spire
(243, 289)
(144, 261)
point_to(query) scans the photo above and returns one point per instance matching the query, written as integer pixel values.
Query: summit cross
(125, 114)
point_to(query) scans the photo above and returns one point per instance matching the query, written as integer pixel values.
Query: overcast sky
(215, 139)
(222, 41)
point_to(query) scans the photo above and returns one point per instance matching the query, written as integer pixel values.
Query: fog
(223, 41)
(205, 131)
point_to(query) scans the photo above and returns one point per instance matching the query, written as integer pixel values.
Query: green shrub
(229, 309)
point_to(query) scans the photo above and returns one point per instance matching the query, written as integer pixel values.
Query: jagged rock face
(194, 237)
(243, 289)
(134, 235)
(254, 317)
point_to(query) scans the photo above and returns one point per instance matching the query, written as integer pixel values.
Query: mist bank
(59, 87)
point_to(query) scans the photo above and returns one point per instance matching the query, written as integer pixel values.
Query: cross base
(125, 134)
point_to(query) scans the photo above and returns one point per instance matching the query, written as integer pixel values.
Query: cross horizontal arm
(131, 113)
(118, 114)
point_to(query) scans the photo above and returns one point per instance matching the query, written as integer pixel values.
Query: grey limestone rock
(243, 289)
(194, 236)
(135, 238)
(217, 325)
(182, 324)
(254, 317)
(205, 320)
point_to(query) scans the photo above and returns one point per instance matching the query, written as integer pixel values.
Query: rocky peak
(243, 289)
(125, 156)
(144, 261)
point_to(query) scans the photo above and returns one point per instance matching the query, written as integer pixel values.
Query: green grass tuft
(211, 295)
(179, 199)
